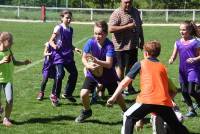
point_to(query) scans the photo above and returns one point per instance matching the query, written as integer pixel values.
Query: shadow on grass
(103, 122)
(62, 118)
(194, 133)
(45, 120)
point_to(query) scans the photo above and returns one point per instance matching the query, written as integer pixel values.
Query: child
(188, 48)
(48, 70)
(7, 60)
(61, 41)
(154, 96)
(102, 51)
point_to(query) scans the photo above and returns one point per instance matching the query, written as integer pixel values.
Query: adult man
(127, 35)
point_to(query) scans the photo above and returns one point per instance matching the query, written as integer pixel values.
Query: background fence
(91, 14)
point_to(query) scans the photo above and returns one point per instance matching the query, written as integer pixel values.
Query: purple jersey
(64, 55)
(188, 72)
(92, 47)
(48, 70)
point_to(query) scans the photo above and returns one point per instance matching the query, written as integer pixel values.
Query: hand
(47, 54)
(110, 102)
(26, 62)
(79, 51)
(6, 59)
(171, 60)
(190, 60)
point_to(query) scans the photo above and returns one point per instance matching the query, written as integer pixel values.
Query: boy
(154, 96)
(101, 50)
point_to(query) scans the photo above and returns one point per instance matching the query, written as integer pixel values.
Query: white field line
(41, 60)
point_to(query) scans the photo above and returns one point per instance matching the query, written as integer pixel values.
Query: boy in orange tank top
(154, 96)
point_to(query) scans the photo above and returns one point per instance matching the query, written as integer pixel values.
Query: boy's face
(99, 35)
(66, 19)
(198, 27)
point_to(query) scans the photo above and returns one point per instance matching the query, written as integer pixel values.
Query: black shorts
(91, 84)
(126, 58)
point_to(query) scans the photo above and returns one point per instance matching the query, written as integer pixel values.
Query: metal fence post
(141, 14)
(193, 15)
(18, 12)
(91, 14)
(167, 15)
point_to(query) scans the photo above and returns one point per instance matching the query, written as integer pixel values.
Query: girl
(61, 41)
(188, 48)
(7, 60)
(48, 70)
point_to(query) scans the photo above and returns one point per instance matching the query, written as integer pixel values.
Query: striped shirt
(127, 39)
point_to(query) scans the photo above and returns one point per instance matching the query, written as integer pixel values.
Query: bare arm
(19, 63)
(51, 41)
(174, 55)
(122, 85)
(107, 64)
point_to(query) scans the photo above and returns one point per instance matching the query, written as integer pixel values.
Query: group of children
(154, 96)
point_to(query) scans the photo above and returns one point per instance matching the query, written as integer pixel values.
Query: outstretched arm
(122, 85)
(174, 55)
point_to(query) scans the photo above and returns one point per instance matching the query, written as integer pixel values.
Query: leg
(131, 57)
(192, 91)
(85, 98)
(120, 100)
(8, 89)
(188, 100)
(58, 80)
(43, 86)
(88, 85)
(132, 115)
(168, 115)
(120, 65)
(71, 83)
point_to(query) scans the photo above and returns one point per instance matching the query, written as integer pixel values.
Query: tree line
(142, 4)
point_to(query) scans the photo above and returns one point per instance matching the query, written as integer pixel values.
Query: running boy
(7, 60)
(154, 96)
(102, 51)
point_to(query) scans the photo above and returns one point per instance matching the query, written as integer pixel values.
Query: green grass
(34, 117)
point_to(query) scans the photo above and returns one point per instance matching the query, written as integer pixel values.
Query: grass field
(40, 117)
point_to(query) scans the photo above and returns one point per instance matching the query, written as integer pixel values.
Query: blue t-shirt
(92, 47)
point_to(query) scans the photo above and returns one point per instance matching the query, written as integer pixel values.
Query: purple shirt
(64, 55)
(91, 47)
(188, 72)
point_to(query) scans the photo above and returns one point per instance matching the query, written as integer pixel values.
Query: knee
(59, 76)
(84, 94)
(9, 101)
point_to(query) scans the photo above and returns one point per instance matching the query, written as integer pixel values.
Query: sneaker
(54, 100)
(40, 96)
(84, 115)
(69, 97)
(7, 122)
(191, 114)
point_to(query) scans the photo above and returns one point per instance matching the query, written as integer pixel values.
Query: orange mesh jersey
(153, 84)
